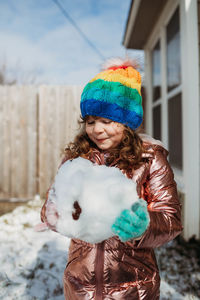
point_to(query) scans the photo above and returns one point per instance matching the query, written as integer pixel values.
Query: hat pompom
(118, 62)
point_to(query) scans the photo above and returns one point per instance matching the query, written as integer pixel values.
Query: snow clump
(88, 199)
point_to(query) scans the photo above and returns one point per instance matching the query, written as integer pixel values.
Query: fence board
(58, 115)
(5, 144)
(36, 124)
(18, 140)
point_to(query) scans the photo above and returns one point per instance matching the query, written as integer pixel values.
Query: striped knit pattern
(114, 94)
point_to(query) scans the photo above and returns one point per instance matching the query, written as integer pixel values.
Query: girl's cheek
(115, 126)
(119, 128)
(88, 130)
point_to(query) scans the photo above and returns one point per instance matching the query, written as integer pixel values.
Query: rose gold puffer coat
(128, 271)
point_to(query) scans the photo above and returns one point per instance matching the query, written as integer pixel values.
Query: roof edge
(133, 10)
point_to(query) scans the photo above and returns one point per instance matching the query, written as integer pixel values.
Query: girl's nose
(98, 127)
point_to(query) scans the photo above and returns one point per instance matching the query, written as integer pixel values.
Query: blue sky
(38, 41)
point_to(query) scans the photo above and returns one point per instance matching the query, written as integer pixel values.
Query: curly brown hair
(127, 156)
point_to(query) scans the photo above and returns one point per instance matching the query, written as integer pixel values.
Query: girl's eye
(106, 121)
(90, 122)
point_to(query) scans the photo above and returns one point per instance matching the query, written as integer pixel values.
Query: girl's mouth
(100, 140)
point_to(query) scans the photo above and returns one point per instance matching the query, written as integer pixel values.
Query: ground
(32, 263)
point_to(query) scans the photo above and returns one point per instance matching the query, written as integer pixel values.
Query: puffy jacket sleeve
(163, 204)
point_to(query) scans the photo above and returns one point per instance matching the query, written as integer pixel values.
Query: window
(173, 52)
(156, 74)
(167, 96)
(175, 131)
(156, 82)
(157, 122)
(173, 82)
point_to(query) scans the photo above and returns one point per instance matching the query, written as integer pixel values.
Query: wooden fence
(36, 124)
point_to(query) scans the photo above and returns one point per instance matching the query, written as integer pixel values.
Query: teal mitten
(133, 222)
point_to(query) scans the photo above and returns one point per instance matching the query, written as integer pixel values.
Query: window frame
(160, 35)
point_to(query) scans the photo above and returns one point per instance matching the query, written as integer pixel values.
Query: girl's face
(105, 133)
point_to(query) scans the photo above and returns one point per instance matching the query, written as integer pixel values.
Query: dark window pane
(157, 122)
(175, 131)
(173, 52)
(156, 73)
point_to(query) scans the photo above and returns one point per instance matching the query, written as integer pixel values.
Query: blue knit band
(111, 111)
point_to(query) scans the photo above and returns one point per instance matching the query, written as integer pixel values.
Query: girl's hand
(51, 215)
(43, 213)
(132, 223)
(43, 210)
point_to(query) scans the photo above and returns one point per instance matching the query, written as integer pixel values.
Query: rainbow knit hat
(115, 93)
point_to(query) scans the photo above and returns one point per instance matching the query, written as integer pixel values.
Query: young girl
(124, 266)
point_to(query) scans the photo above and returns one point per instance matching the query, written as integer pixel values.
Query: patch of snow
(32, 263)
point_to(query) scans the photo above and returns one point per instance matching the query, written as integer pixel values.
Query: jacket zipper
(99, 266)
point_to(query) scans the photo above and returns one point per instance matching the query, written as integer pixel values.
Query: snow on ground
(32, 263)
(179, 268)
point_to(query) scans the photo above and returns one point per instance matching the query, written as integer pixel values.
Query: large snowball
(101, 192)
